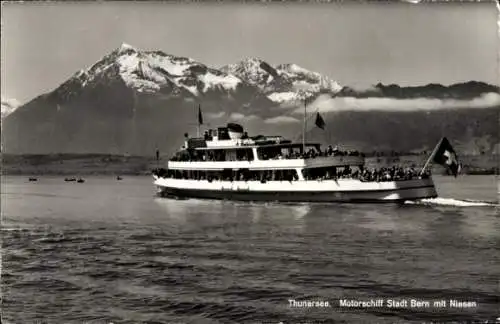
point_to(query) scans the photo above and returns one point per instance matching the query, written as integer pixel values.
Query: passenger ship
(227, 164)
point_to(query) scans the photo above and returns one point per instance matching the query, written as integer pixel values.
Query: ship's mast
(198, 121)
(498, 45)
(134, 122)
(304, 128)
(498, 42)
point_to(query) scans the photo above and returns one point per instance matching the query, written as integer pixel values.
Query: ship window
(223, 133)
(269, 153)
(215, 155)
(230, 155)
(273, 175)
(329, 172)
(282, 152)
(235, 175)
(233, 155)
(244, 155)
(284, 175)
(177, 174)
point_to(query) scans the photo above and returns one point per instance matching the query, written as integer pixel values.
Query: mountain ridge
(132, 101)
(462, 90)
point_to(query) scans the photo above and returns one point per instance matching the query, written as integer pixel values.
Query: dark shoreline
(115, 165)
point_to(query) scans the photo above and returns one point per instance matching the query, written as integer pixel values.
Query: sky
(43, 44)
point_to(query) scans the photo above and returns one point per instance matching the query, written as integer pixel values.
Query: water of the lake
(109, 251)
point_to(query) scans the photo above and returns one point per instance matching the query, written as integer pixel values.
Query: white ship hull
(341, 190)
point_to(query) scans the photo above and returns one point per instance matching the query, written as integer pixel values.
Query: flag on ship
(200, 116)
(446, 156)
(319, 121)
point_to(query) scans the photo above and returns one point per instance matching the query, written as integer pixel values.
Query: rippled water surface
(110, 251)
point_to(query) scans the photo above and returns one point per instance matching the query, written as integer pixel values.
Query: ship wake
(439, 201)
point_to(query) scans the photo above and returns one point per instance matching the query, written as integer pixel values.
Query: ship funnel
(235, 131)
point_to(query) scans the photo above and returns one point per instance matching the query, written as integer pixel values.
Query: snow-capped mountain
(131, 101)
(134, 101)
(306, 80)
(282, 83)
(256, 72)
(154, 71)
(8, 106)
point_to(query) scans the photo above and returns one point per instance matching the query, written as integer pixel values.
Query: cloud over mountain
(327, 103)
(281, 120)
(8, 106)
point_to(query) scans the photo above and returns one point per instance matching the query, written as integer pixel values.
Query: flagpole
(431, 157)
